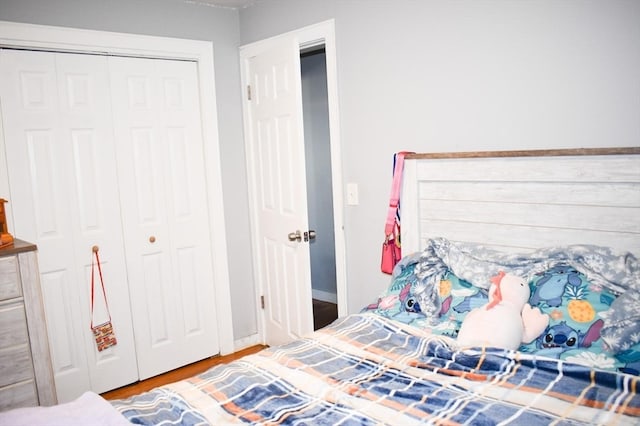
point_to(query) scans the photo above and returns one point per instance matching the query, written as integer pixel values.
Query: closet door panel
(161, 171)
(38, 164)
(33, 145)
(85, 105)
(64, 198)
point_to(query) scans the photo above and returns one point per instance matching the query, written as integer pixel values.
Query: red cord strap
(104, 293)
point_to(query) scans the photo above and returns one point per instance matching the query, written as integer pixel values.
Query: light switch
(352, 194)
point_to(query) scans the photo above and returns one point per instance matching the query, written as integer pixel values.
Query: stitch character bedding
(398, 362)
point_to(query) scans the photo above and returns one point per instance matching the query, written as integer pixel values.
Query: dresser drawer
(15, 365)
(9, 278)
(21, 394)
(13, 325)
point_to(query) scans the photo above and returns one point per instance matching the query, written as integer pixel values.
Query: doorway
(315, 110)
(283, 233)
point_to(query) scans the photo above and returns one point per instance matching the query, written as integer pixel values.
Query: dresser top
(18, 246)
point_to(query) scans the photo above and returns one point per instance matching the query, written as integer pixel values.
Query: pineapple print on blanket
(579, 309)
(577, 312)
(400, 302)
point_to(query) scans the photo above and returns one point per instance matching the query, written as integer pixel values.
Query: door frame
(322, 33)
(73, 40)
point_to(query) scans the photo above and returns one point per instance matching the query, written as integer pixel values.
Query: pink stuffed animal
(507, 320)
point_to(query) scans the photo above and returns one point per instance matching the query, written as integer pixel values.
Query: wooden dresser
(26, 377)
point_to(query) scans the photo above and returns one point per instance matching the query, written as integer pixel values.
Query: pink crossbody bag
(391, 248)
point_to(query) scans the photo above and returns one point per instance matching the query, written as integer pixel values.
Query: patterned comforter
(365, 369)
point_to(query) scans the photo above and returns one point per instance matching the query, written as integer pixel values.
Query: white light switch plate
(352, 194)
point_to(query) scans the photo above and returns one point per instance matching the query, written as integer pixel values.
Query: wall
(464, 75)
(176, 18)
(420, 75)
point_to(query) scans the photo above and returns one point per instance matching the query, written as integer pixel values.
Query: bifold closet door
(163, 195)
(108, 152)
(58, 131)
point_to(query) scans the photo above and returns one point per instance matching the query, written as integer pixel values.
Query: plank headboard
(523, 200)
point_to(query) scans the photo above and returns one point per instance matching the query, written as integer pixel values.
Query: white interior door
(275, 148)
(165, 215)
(61, 164)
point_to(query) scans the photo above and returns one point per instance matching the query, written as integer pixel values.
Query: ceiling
(228, 4)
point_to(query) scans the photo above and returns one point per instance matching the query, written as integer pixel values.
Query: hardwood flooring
(178, 374)
(324, 313)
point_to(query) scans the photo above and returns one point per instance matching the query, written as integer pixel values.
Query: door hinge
(248, 92)
(262, 302)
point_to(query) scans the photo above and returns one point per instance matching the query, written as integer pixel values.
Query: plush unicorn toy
(507, 320)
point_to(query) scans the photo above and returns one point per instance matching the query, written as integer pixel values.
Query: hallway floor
(324, 313)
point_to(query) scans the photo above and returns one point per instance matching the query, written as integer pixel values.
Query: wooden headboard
(523, 200)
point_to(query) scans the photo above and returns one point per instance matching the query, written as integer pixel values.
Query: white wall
(464, 75)
(176, 18)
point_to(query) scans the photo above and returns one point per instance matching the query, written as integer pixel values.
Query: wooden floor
(324, 313)
(178, 374)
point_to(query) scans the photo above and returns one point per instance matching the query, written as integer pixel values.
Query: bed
(567, 222)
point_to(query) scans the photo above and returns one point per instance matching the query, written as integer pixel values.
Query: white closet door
(58, 134)
(163, 194)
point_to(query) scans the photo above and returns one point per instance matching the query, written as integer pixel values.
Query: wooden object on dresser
(6, 238)
(26, 377)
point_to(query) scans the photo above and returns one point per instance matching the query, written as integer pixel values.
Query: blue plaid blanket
(365, 369)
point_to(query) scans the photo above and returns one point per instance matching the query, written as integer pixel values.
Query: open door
(275, 149)
(275, 154)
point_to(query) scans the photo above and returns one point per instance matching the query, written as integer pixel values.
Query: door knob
(310, 235)
(295, 236)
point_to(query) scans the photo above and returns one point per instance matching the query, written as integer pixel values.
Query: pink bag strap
(104, 293)
(394, 200)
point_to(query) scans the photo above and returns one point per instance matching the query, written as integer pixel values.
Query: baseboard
(247, 342)
(325, 296)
